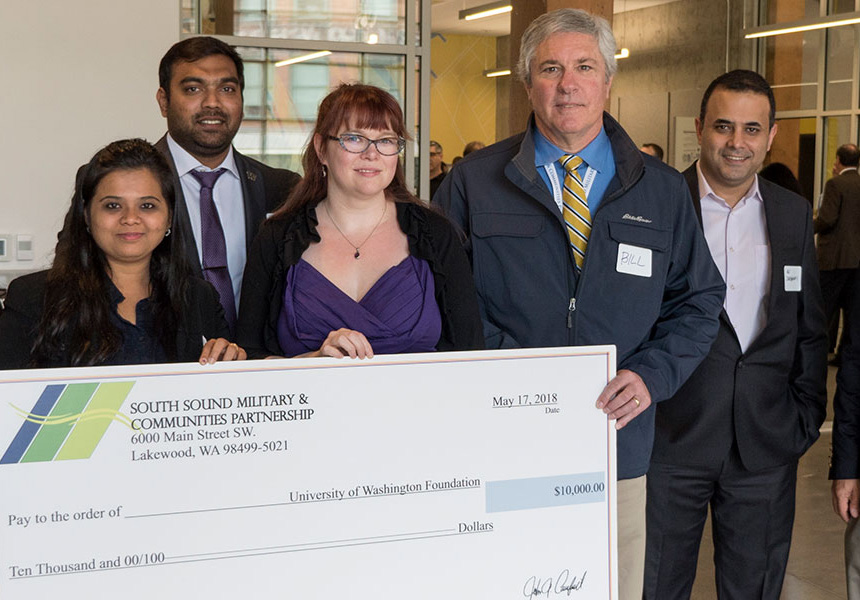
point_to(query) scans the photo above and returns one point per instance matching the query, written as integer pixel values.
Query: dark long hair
(358, 105)
(76, 321)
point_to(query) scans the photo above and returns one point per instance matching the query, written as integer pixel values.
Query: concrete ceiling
(445, 16)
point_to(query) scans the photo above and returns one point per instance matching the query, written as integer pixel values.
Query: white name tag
(792, 278)
(633, 260)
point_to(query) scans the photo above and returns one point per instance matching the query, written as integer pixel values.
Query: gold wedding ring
(636, 400)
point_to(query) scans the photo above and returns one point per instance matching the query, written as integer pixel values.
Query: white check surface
(459, 475)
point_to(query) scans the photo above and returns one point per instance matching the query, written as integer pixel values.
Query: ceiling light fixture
(486, 10)
(497, 72)
(302, 58)
(623, 53)
(803, 25)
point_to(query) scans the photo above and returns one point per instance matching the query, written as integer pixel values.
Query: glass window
(417, 13)
(840, 71)
(794, 146)
(840, 6)
(284, 84)
(292, 93)
(784, 11)
(815, 76)
(188, 16)
(363, 21)
(792, 69)
(309, 84)
(248, 17)
(416, 132)
(255, 90)
(837, 132)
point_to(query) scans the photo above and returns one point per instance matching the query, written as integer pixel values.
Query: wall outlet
(5, 247)
(24, 247)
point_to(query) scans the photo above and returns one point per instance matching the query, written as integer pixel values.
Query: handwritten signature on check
(563, 585)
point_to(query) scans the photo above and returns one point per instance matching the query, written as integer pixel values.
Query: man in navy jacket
(660, 311)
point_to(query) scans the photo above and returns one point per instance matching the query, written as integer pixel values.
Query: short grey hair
(566, 20)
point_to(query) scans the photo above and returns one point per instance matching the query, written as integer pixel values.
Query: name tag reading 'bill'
(633, 260)
(456, 475)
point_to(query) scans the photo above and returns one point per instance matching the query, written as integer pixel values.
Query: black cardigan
(281, 242)
(202, 317)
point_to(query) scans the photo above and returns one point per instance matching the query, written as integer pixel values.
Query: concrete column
(526, 11)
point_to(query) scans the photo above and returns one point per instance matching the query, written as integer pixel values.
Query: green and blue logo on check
(68, 421)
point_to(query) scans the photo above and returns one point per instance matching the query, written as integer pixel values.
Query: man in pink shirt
(731, 437)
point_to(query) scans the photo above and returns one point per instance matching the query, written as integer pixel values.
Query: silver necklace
(358, 247)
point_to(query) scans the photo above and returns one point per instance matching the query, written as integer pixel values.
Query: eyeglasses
(356, 144)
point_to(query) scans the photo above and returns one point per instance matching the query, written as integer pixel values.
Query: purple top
(398, 314)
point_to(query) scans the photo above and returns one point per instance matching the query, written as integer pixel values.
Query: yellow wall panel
(462, 100)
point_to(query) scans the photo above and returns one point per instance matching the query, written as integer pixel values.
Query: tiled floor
(815, 566)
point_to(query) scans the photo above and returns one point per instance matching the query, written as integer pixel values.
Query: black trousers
(752, 513)
(837, 289)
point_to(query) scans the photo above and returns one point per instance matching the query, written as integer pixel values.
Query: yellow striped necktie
(577, 217)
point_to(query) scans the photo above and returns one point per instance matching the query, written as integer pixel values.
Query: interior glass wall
(783, 11)
(840, 50)
(794, 146)
(816, 78)
(793, 69)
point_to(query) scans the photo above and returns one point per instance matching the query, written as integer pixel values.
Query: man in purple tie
(223, 196)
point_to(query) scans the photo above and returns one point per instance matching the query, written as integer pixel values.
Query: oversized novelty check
(479, 475)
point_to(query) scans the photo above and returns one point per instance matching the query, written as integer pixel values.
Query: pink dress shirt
(737, 237)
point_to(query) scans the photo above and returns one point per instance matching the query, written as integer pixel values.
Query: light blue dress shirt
(597, 155)
(227, 196)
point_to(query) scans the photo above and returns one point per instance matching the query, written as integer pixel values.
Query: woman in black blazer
(119, 290)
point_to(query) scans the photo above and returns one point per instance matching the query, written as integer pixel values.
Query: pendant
(357, 254)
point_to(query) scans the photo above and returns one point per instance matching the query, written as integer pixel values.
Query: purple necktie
(214, 248)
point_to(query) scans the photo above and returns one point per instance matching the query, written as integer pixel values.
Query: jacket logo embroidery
(637, 218)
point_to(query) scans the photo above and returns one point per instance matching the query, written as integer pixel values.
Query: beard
(197, 139)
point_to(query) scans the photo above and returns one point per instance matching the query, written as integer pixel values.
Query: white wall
(75, 76)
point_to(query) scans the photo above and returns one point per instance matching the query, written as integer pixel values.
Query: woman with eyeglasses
(354, 264)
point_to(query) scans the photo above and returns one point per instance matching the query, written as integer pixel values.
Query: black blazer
(202, 317)
(281, 243)
(771, 399)
(838, 223)
(264, 189)
(845, 457)
(837, 245)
